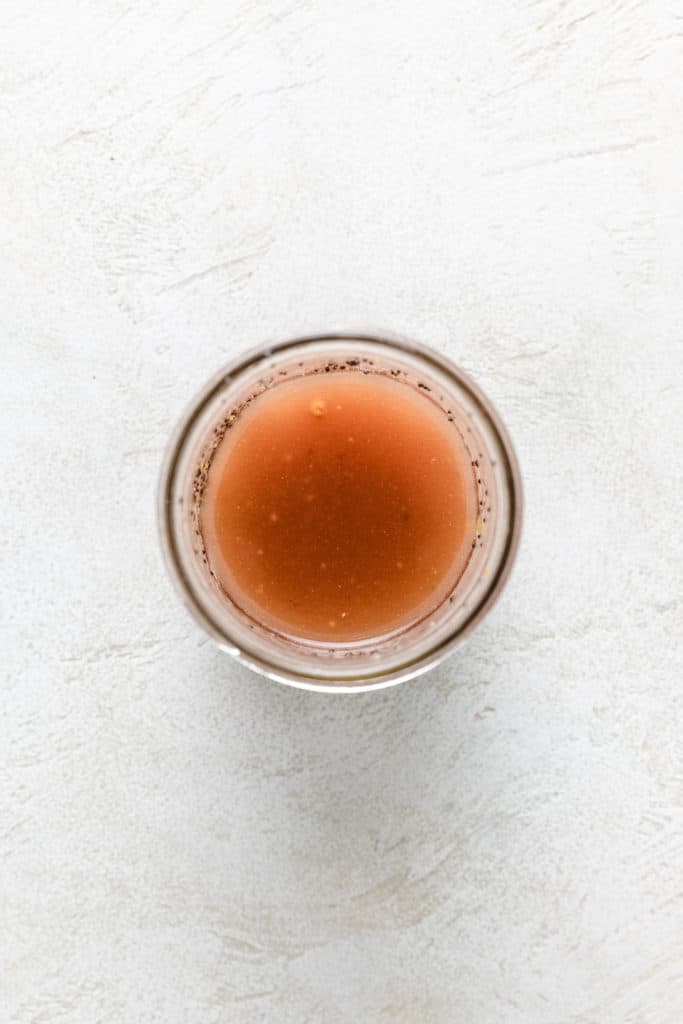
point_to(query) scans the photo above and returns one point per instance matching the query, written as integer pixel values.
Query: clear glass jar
(366, 664)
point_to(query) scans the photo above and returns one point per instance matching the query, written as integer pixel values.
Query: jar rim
(414, 665)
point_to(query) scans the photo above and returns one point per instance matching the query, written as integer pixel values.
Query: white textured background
(501, 841)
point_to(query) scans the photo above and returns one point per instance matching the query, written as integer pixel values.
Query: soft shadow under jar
(339, 511)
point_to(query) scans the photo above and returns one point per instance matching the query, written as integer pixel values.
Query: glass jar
(364, 664)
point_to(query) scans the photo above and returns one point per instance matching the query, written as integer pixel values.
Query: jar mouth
(248, 650)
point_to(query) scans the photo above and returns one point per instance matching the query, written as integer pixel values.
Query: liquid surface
(339, 507)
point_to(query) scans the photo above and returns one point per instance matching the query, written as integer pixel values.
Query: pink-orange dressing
(339, 507)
